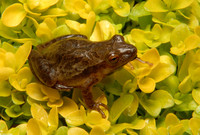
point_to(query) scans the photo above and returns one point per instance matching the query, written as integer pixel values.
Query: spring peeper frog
(73, 61)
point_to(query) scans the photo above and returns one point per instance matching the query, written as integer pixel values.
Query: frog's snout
(129, 52)
(133, 52)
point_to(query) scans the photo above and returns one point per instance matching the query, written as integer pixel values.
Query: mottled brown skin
(73, 61)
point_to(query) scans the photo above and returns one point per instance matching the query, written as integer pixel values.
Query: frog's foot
(97, 105)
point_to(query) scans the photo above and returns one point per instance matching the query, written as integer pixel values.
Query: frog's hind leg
(42, 69)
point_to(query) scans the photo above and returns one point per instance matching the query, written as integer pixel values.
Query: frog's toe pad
(97, 105)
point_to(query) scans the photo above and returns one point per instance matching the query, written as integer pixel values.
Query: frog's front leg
(42, 69)
(91, 104)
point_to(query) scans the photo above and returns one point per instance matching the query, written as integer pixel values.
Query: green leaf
(8, 47)
(26, 109)
(119, 106)
(156, 6)
(163, 97)
(5, 89)
(186, 85)
(132, 109)
(114, 88)
(179, 34)
(179, 4)
(61, 30)
(183, 72)
(153, 107)
(18, 97)
(3, 126)
(62, 130)
(5, 102)
(119, 127)
(138, 11)
(187, 102)
(19, 130)
(14, 111)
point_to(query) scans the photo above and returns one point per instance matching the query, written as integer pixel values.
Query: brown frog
(73, 61)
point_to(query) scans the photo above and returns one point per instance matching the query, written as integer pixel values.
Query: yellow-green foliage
(159, 98)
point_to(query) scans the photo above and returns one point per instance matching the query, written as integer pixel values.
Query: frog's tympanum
(73, 61)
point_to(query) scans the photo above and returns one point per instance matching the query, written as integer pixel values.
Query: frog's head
(120, 52)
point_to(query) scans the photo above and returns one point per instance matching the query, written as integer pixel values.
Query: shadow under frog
(73, 61)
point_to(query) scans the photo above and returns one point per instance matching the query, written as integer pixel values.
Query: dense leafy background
(158, 98)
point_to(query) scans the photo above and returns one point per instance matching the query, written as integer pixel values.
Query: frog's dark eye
(113, 58)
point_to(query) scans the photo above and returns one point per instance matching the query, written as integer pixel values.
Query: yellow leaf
(103, 30)
(194, 125)
(180, 4)
(50, 23)
(97, 131)
(20, 80)
(74, 25)
(22, 54)
(33, 128)
(55, 103)
(146, 84)
(5, 89)
(45, 4)
(33, 3)
(10, 60)
(171, 119)
(164, 69)
(94, 119)
(162, 131)
(39, 113)
(196, 95)
(77, 131)
(53, 118)
(156, 6)
(5, 72)
(152, 56)
(13, 15)
(120, 7)
(177, 129)
(51, 93)
(34, 91)
(44, 32)
(82, 8)
(186, 85)
(3, 126)
(76, 118)
(68, 107)
(89, 24)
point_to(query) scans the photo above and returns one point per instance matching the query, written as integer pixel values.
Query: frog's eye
(113, 58)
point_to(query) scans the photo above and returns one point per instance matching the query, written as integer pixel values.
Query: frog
(74, 61)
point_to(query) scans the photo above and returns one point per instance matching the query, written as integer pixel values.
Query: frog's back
(70, 57)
